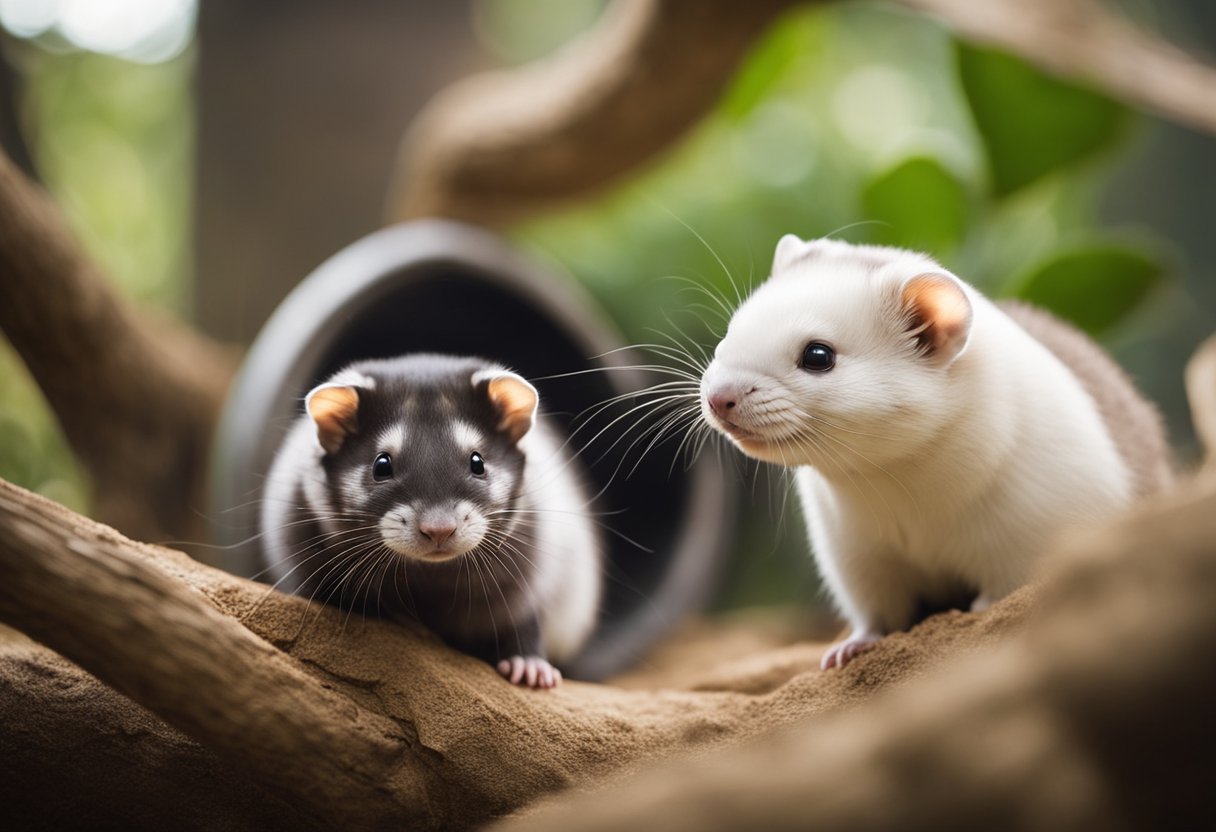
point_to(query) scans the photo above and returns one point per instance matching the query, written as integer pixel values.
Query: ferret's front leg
(523, 659)
(875, 594)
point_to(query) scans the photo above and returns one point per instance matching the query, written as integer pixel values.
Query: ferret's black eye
(818, 357)
(477, 465)
(382, 468)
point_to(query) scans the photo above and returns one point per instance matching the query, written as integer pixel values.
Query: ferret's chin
(765, 449)
(748, 441)
(757, 448)
(427, 552)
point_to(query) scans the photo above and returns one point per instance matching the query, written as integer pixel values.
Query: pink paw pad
(841, 653)
(530, 671)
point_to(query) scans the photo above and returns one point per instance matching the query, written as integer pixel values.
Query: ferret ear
(333, 408)
(513, 398)
(937, 313)
(789, 248)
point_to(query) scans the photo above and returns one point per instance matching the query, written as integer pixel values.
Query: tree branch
(366, 723)
(137, 397)
(118, 765)
(155, 640)
(1085, 41)
(497, 147)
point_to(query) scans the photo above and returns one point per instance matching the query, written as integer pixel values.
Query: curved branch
(136, 397)
(1085, 41)
(495, 146)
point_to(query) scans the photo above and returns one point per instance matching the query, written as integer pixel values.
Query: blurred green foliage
(1098, 285)
(1032, 124)
(113, 141)
(917, 204)
(521, 30)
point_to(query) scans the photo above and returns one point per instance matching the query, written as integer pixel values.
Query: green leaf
(919, 204)
(1094, 287)
(765, 67)
(1032, 124)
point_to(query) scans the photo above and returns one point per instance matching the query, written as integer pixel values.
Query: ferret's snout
(437, 529)
(722, 402)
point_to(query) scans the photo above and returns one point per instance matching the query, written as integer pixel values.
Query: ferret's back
(1135, 425)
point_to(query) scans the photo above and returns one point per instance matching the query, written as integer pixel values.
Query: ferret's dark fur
(425, 487)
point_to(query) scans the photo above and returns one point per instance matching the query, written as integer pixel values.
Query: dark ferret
(426, 487)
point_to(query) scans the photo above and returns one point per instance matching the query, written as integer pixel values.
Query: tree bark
(154, 639)
(1098, 719)
(365, 723)
(75, 754)
(136, 395)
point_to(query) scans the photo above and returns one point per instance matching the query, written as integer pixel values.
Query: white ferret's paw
(981, 603)
(843, 652)
(530, 671)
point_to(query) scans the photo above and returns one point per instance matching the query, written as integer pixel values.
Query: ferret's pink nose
(437, 532)
(722, 402)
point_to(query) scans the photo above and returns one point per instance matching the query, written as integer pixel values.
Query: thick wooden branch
(88, 593)
(499, 146)
(74, 749)
(363, 721)
(136, 396)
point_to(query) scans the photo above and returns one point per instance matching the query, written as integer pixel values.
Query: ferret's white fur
(566, 585)
(913, 474)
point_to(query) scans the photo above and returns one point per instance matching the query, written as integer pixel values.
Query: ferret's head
(425, 449)
(843, 359)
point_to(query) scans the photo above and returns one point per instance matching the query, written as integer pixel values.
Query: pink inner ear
(940, 312)
(333, 411)
(515, 401)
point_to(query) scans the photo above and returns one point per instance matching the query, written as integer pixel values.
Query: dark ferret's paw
(531, 671)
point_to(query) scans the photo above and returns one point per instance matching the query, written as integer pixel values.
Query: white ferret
(940, 440)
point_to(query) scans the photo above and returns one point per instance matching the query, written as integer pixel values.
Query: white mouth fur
(399, 531)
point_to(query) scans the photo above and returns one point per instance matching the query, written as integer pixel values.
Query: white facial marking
(473, 525)
(399, 530)
(392, 440)
(466, 436)
(500, 487)
(353, 485)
